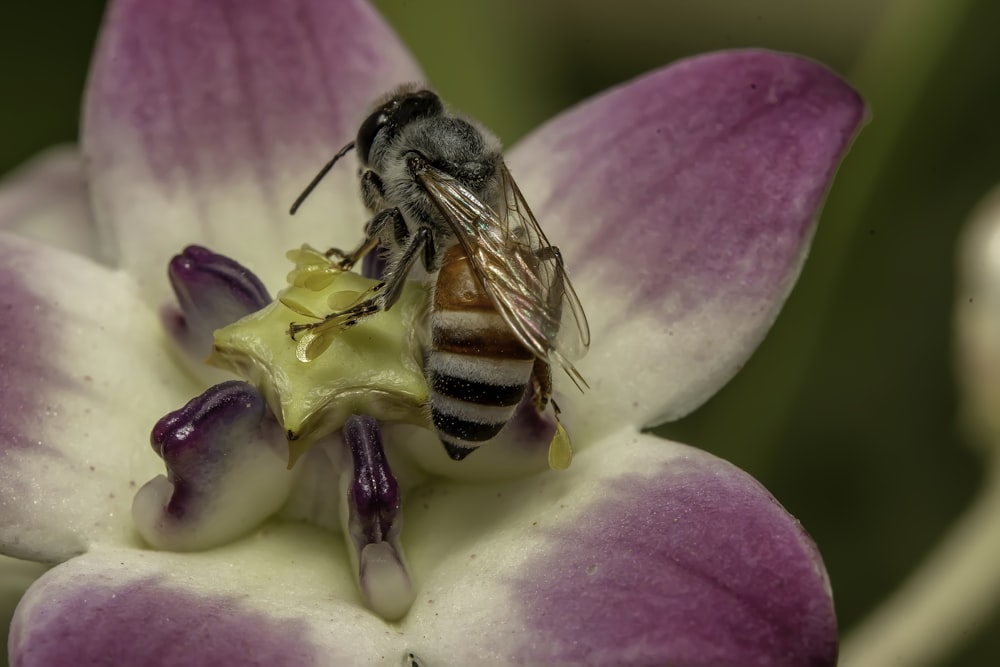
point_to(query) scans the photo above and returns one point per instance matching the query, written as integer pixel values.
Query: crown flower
(265, 525)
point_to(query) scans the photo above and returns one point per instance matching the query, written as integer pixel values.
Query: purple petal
(644, 552)
(276, 599)
(83, 375)
(226, 471)
(374, 263)
(684, 203)
(46, 200)
(204, 120)
(15, 578)
(696, 566)
(147, 623)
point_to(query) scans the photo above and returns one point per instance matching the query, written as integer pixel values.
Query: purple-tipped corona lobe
(197, 442)
(212, 291)
(375, 522)
(225, 455)
(374, 493)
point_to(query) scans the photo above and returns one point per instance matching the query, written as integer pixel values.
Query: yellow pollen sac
(313, 270)
(315, 381)
(289, 301)
(344, 299)
(319, 280)
(313, 344)
(560, 449)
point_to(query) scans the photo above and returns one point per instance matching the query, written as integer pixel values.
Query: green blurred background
(848, 411)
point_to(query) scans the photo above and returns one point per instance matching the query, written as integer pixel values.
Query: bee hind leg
(541, 383)
(337, 321)
(560, 448)
(552, 254)
(385, 294)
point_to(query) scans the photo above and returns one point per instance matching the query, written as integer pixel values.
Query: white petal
(46, 200)
(204, 121)
(643, 552)
(85, 376)
(684, 203)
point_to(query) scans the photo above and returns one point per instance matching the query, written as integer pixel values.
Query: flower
(691, 194)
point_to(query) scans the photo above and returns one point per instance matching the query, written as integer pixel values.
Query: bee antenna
(319, 177)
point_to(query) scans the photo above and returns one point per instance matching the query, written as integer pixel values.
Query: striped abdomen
(477, 369)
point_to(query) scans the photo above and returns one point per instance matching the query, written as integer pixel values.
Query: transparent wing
(522, 273)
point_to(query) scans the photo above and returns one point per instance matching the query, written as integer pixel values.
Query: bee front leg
(375, 231)
(392, 284)
(373, 195)
(372, 191)
(345, 260)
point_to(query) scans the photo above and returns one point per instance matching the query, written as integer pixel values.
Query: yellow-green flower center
(313, 384)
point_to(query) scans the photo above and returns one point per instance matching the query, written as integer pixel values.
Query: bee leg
(387, 292)
(345, 260)
(541, 379)
(372, 191)
(560, 448)
(430, 255)
(341, 319)
(384, 295)
(373, 195)
(550, 254)
(556, 293)
(374, 232)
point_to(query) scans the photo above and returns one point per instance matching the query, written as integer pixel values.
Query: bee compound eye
(394, 115)
(422, 104)
(368, 131)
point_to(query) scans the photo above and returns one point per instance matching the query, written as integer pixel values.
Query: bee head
(399, 110)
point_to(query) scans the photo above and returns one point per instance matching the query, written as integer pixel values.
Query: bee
(502, 308)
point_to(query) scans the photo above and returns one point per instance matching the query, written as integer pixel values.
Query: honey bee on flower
(502, 307)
